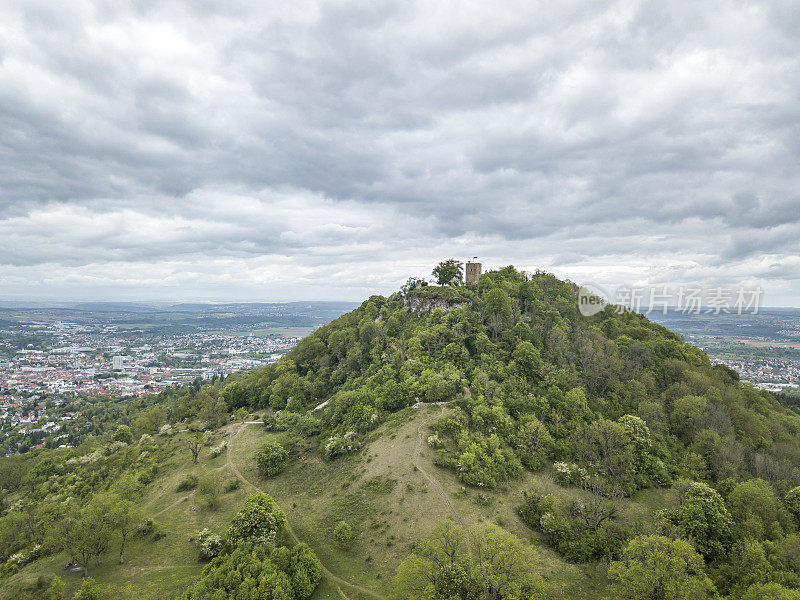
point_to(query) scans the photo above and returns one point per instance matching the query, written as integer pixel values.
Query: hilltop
(582, 446)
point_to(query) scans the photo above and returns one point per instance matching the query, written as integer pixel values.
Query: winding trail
(435, 483)
(335, 579)
(166, 508)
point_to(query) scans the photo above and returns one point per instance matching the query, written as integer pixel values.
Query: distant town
(764, 348)
(49, 357)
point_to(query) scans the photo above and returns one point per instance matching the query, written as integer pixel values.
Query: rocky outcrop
(424, 305)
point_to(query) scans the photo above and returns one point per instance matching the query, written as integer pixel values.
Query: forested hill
(566, 457)
(535, 381)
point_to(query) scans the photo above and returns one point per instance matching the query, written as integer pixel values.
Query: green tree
(703, 518)
(503, 566)
(770, 591)
(431, 566)
(449, 272)
(497, 310)
(657, 568)
(343, 533)
(123, 517)
(529, 361)
(258, 521)
(754, 507)
(86, 533)
(150, 421)
(792, 501)
(686, 414)
(214, 413)
(253, 571)
(123, 434)
(271, 459)
(749, 564)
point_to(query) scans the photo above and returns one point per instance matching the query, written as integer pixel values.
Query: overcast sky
(304, 150)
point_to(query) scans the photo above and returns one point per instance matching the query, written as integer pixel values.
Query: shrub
(271, 459)
(89, 590)
(145, 527)
(232, 484)
(209, 544)
(343, 533)
(255, 571)
(338, 445)
(209, 488)
(57, 589)
(569, 473)
(188, 483)
(434, 441)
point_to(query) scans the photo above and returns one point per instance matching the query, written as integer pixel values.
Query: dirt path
(435, 483)
(335, 579)
(166, 508)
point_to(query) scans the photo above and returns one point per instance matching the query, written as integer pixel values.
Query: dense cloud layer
(239, 149)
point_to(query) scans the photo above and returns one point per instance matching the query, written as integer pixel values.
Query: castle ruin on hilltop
(472, 272)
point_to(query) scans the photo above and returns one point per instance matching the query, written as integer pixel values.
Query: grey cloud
(630, 137)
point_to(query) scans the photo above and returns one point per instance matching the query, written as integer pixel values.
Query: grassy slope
(152, 570)
(390, 504)
(383, 492)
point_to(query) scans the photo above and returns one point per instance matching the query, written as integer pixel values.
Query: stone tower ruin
(472, 272)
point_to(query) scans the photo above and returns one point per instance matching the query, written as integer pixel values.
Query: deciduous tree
(657, 568)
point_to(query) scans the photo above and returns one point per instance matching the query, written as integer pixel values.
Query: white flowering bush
(208, 543)
(215, 451)
(570, 473)
(91, 458)
(166, 429)
(434, 441)
(337, 445)
(115, 446)
(16, 561)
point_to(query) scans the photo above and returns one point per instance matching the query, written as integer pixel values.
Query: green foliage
(439, 568)
(792, 501)
(258, 521)
(343, 533)
(449, 272)
(660, 568)
(583, 530)
(89, 590)
(754, 508)
(271, 459)
(123, 434)
(252, 571)
(150, 421)
(770, 591)
(187, 483)
(57, 589)
(702, 518)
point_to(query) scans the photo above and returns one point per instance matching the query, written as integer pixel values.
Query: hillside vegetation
(474, 442)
